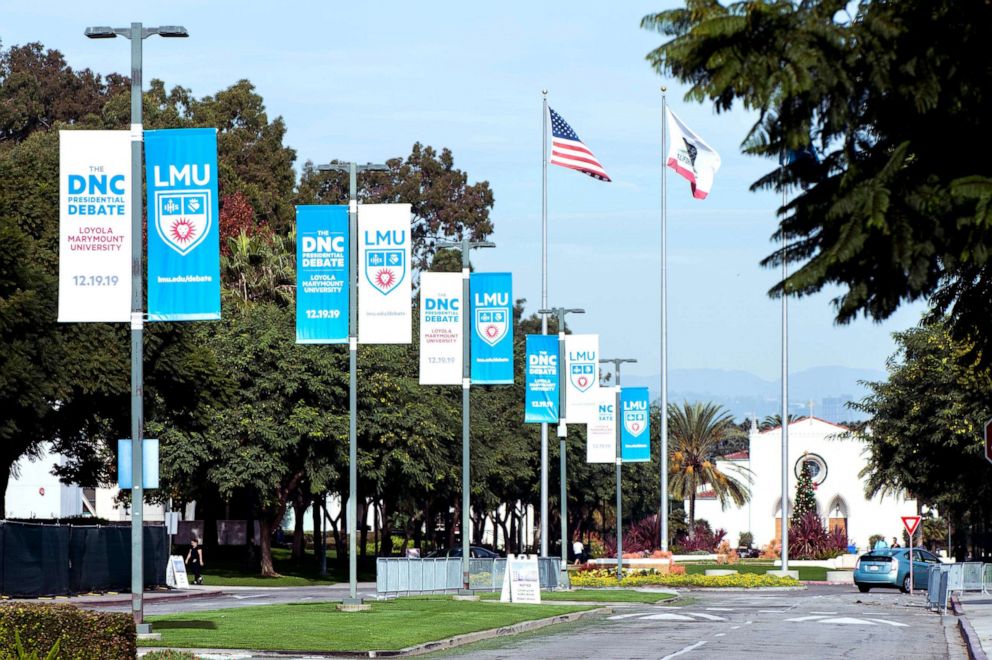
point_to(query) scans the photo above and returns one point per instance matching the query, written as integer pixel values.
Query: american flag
(568, 150)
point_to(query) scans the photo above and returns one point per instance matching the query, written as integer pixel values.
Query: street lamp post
(560, 313)
(136, 33)
(465, 245)
(352, 510)
(617, 418)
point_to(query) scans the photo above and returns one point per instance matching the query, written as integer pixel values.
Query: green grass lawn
(597, 596)
(390, 625)
(805, 572)
(221, 573)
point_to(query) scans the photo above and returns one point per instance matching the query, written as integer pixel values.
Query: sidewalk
(124, 597)
(977, 612)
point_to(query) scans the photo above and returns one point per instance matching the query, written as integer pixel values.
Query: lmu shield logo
(635, 421)
(582, 375)
(183, 218)
(385, 269)
(492, 324)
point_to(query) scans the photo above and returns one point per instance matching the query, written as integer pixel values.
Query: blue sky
(364, 81)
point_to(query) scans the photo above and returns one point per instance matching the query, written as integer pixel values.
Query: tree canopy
(893, 97)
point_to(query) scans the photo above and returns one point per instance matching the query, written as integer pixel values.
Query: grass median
(391, 625)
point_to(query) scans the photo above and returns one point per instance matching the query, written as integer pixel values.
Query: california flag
(691, 157)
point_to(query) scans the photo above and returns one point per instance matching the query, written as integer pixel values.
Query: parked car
(474, 552)
(890, 568)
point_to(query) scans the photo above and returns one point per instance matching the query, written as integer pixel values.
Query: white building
(34, 492)
(835, 463)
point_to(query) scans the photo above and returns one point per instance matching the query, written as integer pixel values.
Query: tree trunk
(337, 523)
(315, 514)
(692, 516)
(386, 546)
(362, 522)
(265, 545)
(299, 539)
(4, 480)
(514, 538)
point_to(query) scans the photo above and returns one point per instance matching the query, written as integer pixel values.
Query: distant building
(835, 463)
(37, 493)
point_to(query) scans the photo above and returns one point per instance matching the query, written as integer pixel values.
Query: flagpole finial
(663, 89)
(544, 91)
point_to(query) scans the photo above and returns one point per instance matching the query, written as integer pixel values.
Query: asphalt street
(822, 622)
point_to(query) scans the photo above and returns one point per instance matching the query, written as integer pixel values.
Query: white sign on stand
(522, 580)
(175, 574)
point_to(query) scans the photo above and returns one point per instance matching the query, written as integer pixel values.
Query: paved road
(823, 622)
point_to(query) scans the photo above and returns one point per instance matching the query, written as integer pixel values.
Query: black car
(474, 551)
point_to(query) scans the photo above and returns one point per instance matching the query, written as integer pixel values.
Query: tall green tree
(894, 97)
(695, 431)
(924, 434)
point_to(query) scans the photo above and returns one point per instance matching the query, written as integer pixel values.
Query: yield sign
(988, 440)
(911, 523)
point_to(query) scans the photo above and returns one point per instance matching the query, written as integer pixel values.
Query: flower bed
(647, 578)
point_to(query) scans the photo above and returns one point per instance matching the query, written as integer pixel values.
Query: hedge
(645, 578)
(83, 634)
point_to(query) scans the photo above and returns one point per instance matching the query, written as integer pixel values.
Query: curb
(185, 595)
(418, 649)
(968, 634)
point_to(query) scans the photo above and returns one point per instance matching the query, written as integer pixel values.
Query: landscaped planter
(719, 571)
(841, 577)
(780, 573)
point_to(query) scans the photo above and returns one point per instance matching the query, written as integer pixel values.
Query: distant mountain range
(745, 394)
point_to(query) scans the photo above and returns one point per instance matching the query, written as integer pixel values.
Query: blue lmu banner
(541, 399)
(322, 291)
(183, 233)
(492, 328)
(635, 431)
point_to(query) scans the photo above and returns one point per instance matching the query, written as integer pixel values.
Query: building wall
(840, 495)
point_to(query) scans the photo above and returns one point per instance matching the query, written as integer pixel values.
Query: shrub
(773, 550)
(642, 578)
(704, 539)
(873, 539)
(81, 634)
(809, 539)
(725, 554)
(745, 540)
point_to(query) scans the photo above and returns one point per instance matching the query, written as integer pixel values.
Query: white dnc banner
(601, 431)
(384, 305)
(441, 309)
(581, 378)
(94, 226)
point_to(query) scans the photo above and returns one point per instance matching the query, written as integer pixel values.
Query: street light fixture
(559, 313)
(136, 33)
(618, 421)
(352, 510)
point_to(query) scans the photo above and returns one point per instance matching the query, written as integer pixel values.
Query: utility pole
(559, 313)
(136, 34)
(616, 362)
(352, 510)
(466, 245)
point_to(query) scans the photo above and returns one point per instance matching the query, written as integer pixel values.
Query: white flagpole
(544, 317)
(663, 435)
(785, 400)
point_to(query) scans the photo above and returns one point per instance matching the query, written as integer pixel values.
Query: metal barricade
(933, 586)
(971, 576)
(404, 575)
(987, 578)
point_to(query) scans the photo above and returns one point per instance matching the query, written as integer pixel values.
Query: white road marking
(719, 634)
(847, 621)
(691, 647)
(892, 623)
(708, 617)
(807, 618)
(667, 617)
(770, 611)
(734, 627)
(748, 623)
(250, 596)
(719, 609)
(831, 613)
(623, 616)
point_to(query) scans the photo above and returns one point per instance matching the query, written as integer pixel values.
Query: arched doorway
(837, 515)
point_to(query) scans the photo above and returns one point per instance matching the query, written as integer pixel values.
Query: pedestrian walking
(194, 559)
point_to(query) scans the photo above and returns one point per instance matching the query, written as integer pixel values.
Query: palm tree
(695, 431)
